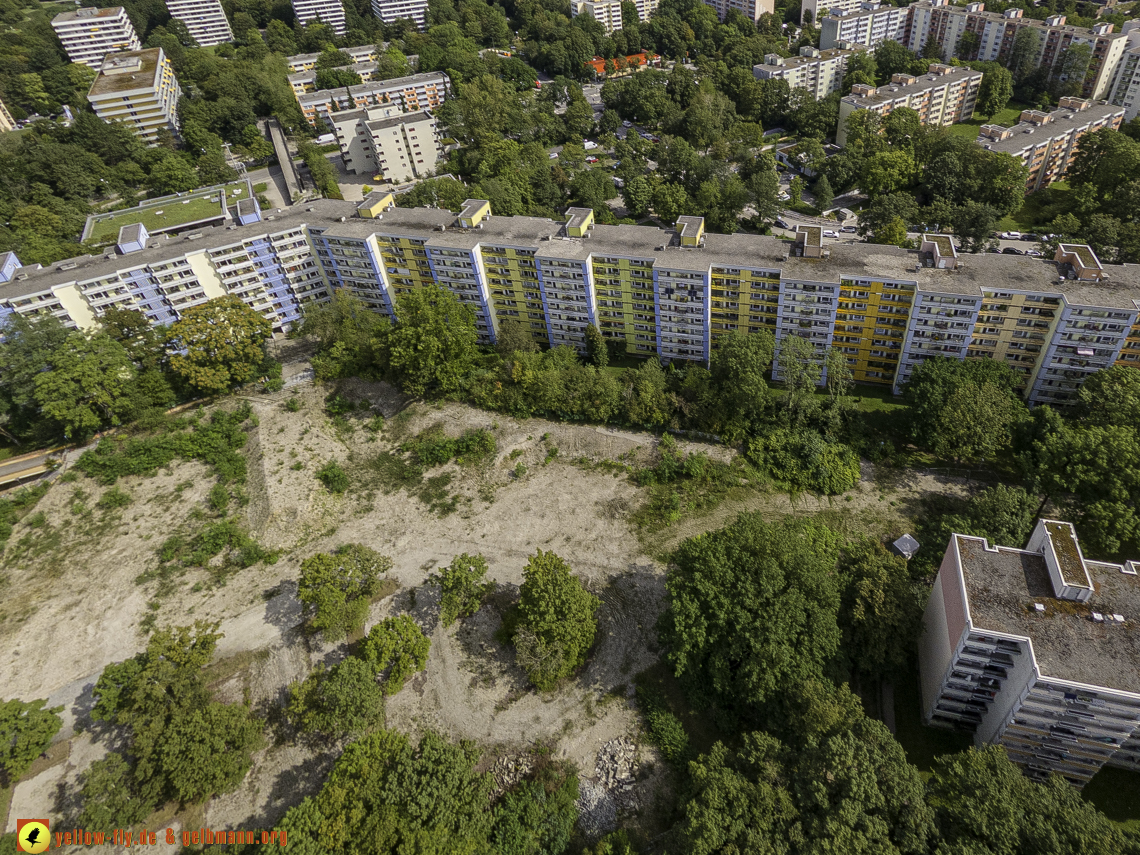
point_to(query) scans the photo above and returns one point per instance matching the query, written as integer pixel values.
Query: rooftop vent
(1118, 618)
(1098, 617)
(1039, 608)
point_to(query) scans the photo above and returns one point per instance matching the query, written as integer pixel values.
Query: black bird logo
(33, 836)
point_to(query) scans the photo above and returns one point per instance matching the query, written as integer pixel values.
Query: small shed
(906, 546)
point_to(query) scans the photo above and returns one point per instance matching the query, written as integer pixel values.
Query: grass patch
(1116, 793)
(13, 508)
(1007, 117)
(223, 669)
(922, 744)
(1040, 209)
(176, 211)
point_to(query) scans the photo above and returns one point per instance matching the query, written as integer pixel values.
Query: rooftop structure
(89, 34)
(410, 94)
(818, 72)
(1048, 142)
(205, 20)
(330, 12)
(206, 206)
(137, 88)
(1038, 650)
(388, 144)
(945, 95)
(867, 25)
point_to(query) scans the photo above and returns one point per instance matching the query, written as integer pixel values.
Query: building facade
(666, 293)
(751, 9)
(390, 11)
(409, 94)
(137, 88)
(388, 144)
(818, 72)
(867, 25)
(819, 9)
(1048, 142)
(330, 12)
(1126, 89)
(608, 12)
(945, 95)
(7, 123)
(362, 53)
(90, 34)
(1037, 650)
(205, 20)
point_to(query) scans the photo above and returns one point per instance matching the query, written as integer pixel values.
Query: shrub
(336, 589)
(396, 645)
(293, 405)
(107, 793)
(462, 587)
(275, 384)
(345, 700)
(434, 448)
(219, 498)
(665, 729)
(804, 460)
(333, 476)
(113, 499)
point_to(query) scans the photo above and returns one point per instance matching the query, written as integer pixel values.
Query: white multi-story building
(390, 11)
(359, 54)
(819, 9)
(867, 25)
(1036, 650)
(330, 12)
(945, 95)
(7, 123)
(89, 34)
(608, 12)
(139, 89)
(1126, 90)
(818, 72)
(411, 93)
(205, 20)
(387, 143)
(751, 9)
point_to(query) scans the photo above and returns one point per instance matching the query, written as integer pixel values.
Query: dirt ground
(72, 602)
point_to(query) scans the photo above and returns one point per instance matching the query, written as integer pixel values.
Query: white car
(627, 124)
(831, 233)
(554, 155)
(1011, 235)
(618, 182)
(589, 145)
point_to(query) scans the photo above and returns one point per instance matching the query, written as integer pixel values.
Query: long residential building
(667, 293)
(751, 9)
(362, 53)
(944, 23)
(818, 72)
(1126, 90)
(867, 25)
(608, 12)
(329, 12)
(1048, 142)
(390, 11)
(89, 34)
(943, 96)
(388, 144)
(409, 94)
(7, 123)
(1037, 650)
(139, 89)
(819, 9)
(204, 19)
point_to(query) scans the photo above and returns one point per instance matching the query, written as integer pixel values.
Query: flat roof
(109, 84)
(177, 211)
(374, 86)
(1002, 585)
(1063, 121)
(923, 82)
(793, 62)
(87, 13)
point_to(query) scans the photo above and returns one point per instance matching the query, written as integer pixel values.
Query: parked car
(1012, 250)
(589, 145)
(554, 155)
(1034, 252)
(782, 224)
(1029, 236)
(1011, 235)
(831, 233)
(618, 183)
(848, 229)
(615, 164)
(591, 159)
(627, 124)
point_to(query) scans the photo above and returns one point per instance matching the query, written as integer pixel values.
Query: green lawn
(1116, 793)
(175, 211)
(1006, 117)
(1039, 209)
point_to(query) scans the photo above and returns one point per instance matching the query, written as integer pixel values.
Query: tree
(752, 609)
(218, 345)
(87, 387)
(823, 193)
(967, 48)
(336, 589)
(636, 196)
(974, 223)
(336, 78)
(882, 610)
(1070, 72)
(800, 369)
(108, 797)
(669, 201)
(596, 352)
(28, 347)
(796, 191)
(738, 365)
(556, 620)
(1112, 397)
(995, 91)
(134, 331)
(643, 389)
(514, 337)
(892, 58)
(463, 587)
(206, 750)
(838, 372)
(173, 174)
(397, 646)
(1023, 56)
(764, 185)
(432, 344)
(26, 731)
(887, 171)
(343, 701)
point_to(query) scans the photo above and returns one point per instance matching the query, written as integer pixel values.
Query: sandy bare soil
(71, 602)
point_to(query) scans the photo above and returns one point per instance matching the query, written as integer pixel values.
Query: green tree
(346, 700)
(336, 589)
(206, 749)
(764, 185)
(974, 223)
(669, 201)
(892, 58)
(537, 816)
(397, 646)
(597, 354)
(823, 193)
(87, 387)
(433, 342)
(752, 609)
(636, 196)
(336, 78)
(107, 793)
(796, 191)
(738, 365)
(514, 337)
(1023, 57)
(28, 347)
(26, 731)
(134, 331)
(800, 370)
(463, 587)
(882, 610)
(556, 622)
(172, 174)
(838, 372)
(643, 389)
(892, 233)
(995, 91)
(218, 345)
(967, 48)
(887, 172)
(1112, 397)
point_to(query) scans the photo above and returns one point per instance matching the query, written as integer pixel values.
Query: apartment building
(944, 23)
(1036, 650)
(867, 25)
(362, 53)
(89, 34)
(388, 144)
(409, 94)
(608, 12)
(302, 82)
(7, 123)
(1048, 142)
(205, 20)
(139, 89)
(330, 12)
(751, 9)
(668, 293)
(819, 9)
(1126, 89)
(945, 95)
(390, 11)
(815, 71)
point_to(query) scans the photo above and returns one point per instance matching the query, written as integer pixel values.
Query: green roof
(176, 212)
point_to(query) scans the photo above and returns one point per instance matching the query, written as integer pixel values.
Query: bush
(225, 535)
(396, 645)
(14, 507)
(113, 499)
(333, 476)
(275, 384)
(434, 448)
(804, 460)
(219, 498)
(665, 729)
(293, 405)
(107, 793)
(343, 701)
(336, 589)
(462, 587)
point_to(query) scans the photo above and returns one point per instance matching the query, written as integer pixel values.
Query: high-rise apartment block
(608, 12)
(390, 11)
(7, 123)
(867, 25)
(1048, 142)
(666, 293)
(819, 9)
(205, 20)
(1126, 90)
(410, 94)
(387, 143)
(139, 89)
(330, 12)
(358, 55)
(89, 34)
(1037, 650)
(943, 23)
(751, 9)
(943, 96)
(818, 72)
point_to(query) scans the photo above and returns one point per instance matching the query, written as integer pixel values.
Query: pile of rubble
(610, 789)
(617, 761)
(508, 771)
